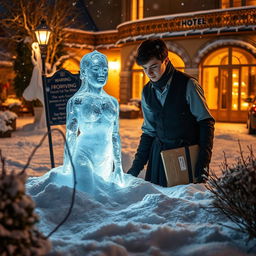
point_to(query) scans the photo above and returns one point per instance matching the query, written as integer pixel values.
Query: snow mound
(139, 219)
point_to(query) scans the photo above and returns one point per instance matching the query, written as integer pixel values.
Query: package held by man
(179, 165)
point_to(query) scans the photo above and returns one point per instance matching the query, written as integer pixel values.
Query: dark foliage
(23, 68)
(18, 234)
(234, 192)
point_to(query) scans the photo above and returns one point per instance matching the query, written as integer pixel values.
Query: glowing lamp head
(43, 33)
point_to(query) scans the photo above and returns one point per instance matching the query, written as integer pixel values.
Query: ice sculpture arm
(118, 170)
(71, 133)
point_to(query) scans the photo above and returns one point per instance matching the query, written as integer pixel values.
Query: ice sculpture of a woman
(92, 126)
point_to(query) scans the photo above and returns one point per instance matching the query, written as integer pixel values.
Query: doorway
(228, 78)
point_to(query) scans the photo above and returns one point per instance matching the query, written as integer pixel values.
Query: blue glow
(92, 127)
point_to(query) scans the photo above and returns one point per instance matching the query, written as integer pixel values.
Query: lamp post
(43, 33)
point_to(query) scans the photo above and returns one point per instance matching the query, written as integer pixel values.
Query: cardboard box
(176, 164)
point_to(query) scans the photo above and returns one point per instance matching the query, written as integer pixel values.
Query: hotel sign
(192, 22)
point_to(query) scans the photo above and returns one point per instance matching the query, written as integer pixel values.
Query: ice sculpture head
(94, 69)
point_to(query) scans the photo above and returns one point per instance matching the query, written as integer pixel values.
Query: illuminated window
(225, 4)
(236, 3)
(139, 79)
(141, 9)
(228, 78)
(250, 2)
(176, 61)
(137, 9)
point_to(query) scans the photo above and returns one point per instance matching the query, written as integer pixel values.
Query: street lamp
(43, 33)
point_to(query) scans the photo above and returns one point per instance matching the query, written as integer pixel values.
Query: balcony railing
(187, 24)
(223, 19)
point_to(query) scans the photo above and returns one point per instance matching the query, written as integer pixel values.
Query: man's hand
(133, 172)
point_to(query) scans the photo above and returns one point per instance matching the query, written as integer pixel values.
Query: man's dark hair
(151, 48)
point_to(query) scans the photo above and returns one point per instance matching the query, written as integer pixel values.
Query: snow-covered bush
(7, 121)
(12, 102)
(4, 127)
(129, 111)
(9, 115)
(127, 108)
(234, 193)
(18, 234)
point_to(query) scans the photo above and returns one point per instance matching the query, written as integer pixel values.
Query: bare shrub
(234, 192)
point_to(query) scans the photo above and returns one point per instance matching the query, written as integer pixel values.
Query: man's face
(154, 68)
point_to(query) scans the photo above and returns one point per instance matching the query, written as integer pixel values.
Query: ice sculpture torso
(96, 117)
(92, 124)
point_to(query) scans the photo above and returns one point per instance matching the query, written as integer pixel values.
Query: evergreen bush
(23, 68)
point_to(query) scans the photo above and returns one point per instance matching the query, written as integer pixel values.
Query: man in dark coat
(175, 115)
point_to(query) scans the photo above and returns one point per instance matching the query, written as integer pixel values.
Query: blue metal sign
(60, 88)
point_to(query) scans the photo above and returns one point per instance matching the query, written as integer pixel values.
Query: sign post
(61, 87)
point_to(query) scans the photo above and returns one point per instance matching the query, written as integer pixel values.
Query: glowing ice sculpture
(92, 126)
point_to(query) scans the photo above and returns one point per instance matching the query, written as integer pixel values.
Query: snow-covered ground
(140, 219)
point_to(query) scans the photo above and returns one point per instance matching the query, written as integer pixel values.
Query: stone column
(192, 72)
(125, 86)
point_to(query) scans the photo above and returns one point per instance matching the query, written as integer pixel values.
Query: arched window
(228, 78)
(139, 79)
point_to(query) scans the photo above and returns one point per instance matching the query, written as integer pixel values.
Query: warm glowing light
(43, 33)
(235, 83)
(42, 37)
(137, 9)
(245, 104)
(234, 75)
(114, 65)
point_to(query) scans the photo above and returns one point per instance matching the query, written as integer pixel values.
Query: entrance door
(229, 102)
(228, 78)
